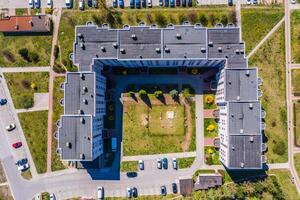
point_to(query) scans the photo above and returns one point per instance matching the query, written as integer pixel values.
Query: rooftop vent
(251, 139)
(157, 50)
(126, 26)
(250, 106)
(103, 49)
(69, 145)
(198, 25)
(153, 26)
(85, 89)
(186, 23)
(242, 51)
(232, 148)
(242, 165)
(203, 50)
(238, 98)
(263, 125)
(122, 51)
(264, 146)
(229, 82)
(219, 49)
(219, 25)
(247, 72)
(263, 114)
(167, 50)
(115, 45)
(80, 112)
(241, 131)
(170, 25)
(89, 23)
(82, 156)
(230, 25)
(82, 120)
(259, 81)
(82, 76)
(210, 43)
(178, 36)
(85, 101)
(142, 24)
(134, 37)
(264, 158)
(105, 25)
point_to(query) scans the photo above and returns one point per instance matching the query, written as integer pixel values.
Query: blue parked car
(190, 3)
(161, 3)
(121, 3)
(90, 3)
(166, 3)
(144, 3)
(138, 3)
(131, 3)
(115, 3)
(3, 102)
(183, 3)
(172, 3)
(37, 3)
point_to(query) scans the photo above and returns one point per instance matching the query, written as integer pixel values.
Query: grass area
(295, 35)
(284, 179)
(57, 111)
(202, 171)
(296, 82)
(21, 11)
(270, 59)
(45, 196)
(34, 125)
(207, 105)
(22, 89)
(148, 131)
(129, 166)
(5, 193)
(296, 112)
(210, 128)
(297, 163)
(116, 18)
(211, 156)
(10, 45)
(226, 177)
(185, 162)
(27, 174)
(257, 22)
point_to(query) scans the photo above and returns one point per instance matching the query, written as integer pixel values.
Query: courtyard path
(155, 156)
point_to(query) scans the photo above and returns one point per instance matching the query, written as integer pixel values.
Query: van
(69, 3)
(100, 193)
(149, 3)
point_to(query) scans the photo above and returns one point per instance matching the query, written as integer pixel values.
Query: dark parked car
(163, 190)
(22, 161)
(174, 188)
(115, 3)
(121, 3)
(138, 3)
(230, 2)
(131, 174)
(131, 3)
(144, 3)
(183, 3)
(177, 2)
(90, 3)
(172, 3)
(190, 3)
(134, 192)
(3, 102)
(165, 163)
(161, 3)
(166, 3)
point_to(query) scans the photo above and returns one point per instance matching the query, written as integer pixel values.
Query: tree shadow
(146, 100)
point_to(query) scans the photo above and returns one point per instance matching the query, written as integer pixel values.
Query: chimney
(250, 106)
(178, 36)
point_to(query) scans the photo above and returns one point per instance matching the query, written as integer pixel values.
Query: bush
(25, 101)
(49, 11)
(26, 84)
(279, 148)
(56, 51)
(149, 18)
(186, 92)
(34, 57)
(209, 99)
(142, 93)
(232, 17)
(212, 19)
(33, 86)
(211, 127)
(192, 17)
(9, 56)
(131, 93)
(224, 20)
(160, 20)
(182, 18)
(174, 94)
(203, 20)
(24, 53)
(158, 94)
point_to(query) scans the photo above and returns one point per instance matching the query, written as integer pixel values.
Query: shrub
(186, 92)
(224, 20)
(211, 127)
(209, 99)
(24, 53)
(158, 94)
(212, 19)
(33, 86)
(279, 148)
(174, 94)
(131, 93)
(149, 18)
(142, 93)
(232, 17)
(9, 56)
(192, 17)
(58, 68)
(34, 57)
(203, 20)
(26, 84)
(49, 11)
(182, 18)
(160, 20)
(56, 51)
(25, 101)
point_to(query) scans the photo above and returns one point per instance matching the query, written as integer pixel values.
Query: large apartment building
(182, 47)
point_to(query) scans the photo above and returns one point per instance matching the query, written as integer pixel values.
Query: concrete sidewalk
(24, 69)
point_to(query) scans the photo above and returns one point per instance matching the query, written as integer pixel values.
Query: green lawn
(296, 81)
(57, 111)
(185, 162)
(295, 36)
(162, 16)
(297, 163)
(211, 105)
(34, 125)
(45, 196)
(129, 166)
(297, 122)
(207, 132)
(270, 59)
(19, 85)
(10, 45)
(284, 180)
(147, 131)
(211, 156)
(257, 22)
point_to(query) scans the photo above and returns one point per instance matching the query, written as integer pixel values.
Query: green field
(58, 110)
(117, 18)
(270, 59)
(19, 85)
(295, 36)
(185, 162)
(257, 23)
(34, 125)
(10, 46)
(129, 166)
(207, 132)
(297, 123)
(296, 81)
(297, 163)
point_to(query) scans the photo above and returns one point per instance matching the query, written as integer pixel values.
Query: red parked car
(17, 145)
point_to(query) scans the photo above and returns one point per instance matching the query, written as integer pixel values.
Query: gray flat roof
(244, 118)
(245, 152)
(241, 84)
(79, 93)
(75, 137)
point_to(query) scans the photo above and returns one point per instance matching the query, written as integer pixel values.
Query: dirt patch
(5, 193)
(189, 125)
(2, 174)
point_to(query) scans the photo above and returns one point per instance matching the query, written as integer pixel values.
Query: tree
(34, 57)
(160, 19)
(186, 92)
(192, 17)
(131, 93)
(209, 99)
(142, 93)
(203, 20)
(33, 86)
(149, 18)
(232, 17)
(279, 148)
(24, 53)
(174, 94)
(182, 18)
(212, 19)
(224, 20)
(158, 94)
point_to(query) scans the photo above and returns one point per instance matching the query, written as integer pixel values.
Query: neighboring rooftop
(186, 185)
(206, 181)
(15, 24)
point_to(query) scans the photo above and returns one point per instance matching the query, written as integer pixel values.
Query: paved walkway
(266, 37)
(24, 69)
(295, 66)
(155, 156)
(32, 109)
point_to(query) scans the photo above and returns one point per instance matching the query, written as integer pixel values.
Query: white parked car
(81, 4)
(293, 1)
(175, 166)
(100, 193)
(141, 165)
(23, 167)
(10, 127)
(31, 4)
(49, 3)
(52, 196)
(69, 3)
(128, 192)
(159, 165)
(248, 2)
(149, 3)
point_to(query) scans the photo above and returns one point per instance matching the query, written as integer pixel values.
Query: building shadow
(239, 176)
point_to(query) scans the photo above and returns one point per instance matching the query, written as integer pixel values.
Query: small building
(186, 185)
(26, 24)
(206, 181)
